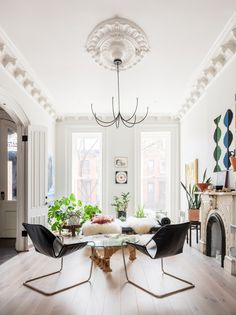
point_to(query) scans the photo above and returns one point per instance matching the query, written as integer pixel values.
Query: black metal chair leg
(26, 283)
(159, 296)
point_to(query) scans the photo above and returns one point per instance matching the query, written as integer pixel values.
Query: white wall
(197, 127)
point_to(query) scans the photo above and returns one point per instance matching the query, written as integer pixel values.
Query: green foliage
(61, 209)
(89, 212)
(204, 180)
(194, 200)
(139, 213)
(121, 203)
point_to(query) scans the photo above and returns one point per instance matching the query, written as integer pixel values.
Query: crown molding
(15, 64)
(218, 57)
(88, 118)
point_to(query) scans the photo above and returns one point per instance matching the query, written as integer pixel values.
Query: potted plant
(205, 182)
(140, 213)
(194, 202)
(121, 204)
(66, 210)
(88, 212)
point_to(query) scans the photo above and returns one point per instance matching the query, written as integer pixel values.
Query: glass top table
(104, 246)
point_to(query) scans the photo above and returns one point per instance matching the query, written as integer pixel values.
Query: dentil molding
(13, 63)
(220, 54)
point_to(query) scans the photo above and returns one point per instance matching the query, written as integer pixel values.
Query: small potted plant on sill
(205, 182)
(140, 212)
(121, 204)
(194, 202)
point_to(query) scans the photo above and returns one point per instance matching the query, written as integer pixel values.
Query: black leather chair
(168, 241)
(50, 245)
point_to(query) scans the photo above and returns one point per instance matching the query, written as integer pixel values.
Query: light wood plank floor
(215, 292)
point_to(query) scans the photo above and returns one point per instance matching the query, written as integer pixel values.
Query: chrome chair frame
(161, 295)
(26, 283)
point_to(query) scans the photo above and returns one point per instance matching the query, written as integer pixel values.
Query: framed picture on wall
(121, 177)
(191, 173)
(121, 161)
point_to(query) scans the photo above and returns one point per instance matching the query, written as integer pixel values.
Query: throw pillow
(102, 218)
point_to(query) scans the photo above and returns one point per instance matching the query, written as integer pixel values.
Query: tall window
(87, 167)
(155, 171)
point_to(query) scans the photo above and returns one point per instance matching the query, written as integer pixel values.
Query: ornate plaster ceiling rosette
(117, 38)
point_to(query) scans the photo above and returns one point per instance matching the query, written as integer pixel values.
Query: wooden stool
(194, 225)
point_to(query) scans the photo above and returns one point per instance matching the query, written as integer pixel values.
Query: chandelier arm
(101, 121)
(113, 109)
(131, 117)
(142, 119)
(129, 124)
(135, 122)
(105, 123)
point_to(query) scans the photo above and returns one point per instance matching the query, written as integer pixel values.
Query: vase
(233, 162)
(74, 220)
(121, 214)
(193, 214)
(202, 186)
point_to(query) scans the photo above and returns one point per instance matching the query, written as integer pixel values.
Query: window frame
(174, 163)
(68, 174)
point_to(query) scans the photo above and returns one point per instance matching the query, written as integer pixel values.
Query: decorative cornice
(88, 118)
(117, 38)
(13, 63)
(218, 57)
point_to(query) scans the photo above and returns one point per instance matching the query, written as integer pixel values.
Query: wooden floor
(214, 294)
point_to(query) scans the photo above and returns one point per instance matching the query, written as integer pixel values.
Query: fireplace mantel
(224, 204)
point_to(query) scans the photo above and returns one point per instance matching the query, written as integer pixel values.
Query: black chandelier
(117, 118)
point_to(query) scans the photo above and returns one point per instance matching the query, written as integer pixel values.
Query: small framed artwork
(121, 161)
(121, 177)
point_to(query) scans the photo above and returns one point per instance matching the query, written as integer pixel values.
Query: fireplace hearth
(218, 216)
(215, 237)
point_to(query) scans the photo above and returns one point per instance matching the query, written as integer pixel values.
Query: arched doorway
(8, 175)
(15, 170)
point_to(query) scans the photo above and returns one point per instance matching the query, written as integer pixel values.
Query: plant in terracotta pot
(194, 201)
(205, 182)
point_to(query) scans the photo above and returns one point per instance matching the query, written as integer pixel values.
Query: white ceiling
(52, 34)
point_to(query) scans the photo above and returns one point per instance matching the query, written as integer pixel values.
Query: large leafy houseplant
(62, 209)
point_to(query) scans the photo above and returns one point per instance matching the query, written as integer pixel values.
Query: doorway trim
(15, 111)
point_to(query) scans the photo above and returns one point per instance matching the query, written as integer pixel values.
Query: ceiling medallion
(117, 38)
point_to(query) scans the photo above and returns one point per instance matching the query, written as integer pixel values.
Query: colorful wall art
(223, 138)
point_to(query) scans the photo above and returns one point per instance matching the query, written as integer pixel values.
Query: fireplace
(215, 237)
(218, 237)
